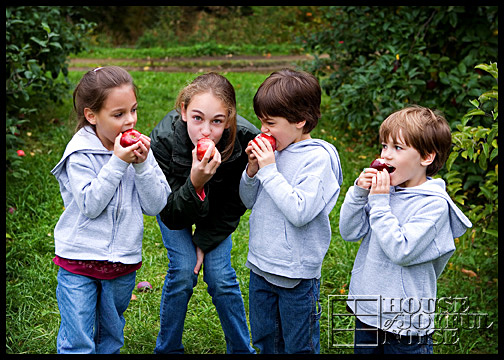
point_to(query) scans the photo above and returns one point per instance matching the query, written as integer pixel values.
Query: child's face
(283, 131)
(206, 117)
(117, 114)
(410, 167)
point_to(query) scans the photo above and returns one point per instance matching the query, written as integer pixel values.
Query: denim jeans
(180, 280)
(284, 320)
(91, 312)
(370, 340)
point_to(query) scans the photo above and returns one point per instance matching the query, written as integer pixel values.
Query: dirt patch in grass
(228, 63)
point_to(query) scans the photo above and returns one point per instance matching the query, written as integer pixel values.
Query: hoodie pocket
(378, 278)
(92, 234)
(268, 239)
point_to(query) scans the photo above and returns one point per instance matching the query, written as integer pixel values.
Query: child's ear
(90, 116)
(428, 159)
(300, 124)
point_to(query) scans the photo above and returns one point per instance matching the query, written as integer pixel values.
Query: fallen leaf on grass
(469, 273)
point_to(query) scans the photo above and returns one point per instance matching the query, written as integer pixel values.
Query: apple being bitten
(130, 137)
(379, 164)
(202, 147)
(270, 138)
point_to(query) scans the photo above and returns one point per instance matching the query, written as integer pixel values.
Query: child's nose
(205, 129)
(385, 154)
(131, 119)
(264, 129)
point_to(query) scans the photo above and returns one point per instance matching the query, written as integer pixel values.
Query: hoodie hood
(437, 187)
(84, 140)
(303, 146)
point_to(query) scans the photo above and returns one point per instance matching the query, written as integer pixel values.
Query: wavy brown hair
(222, 89)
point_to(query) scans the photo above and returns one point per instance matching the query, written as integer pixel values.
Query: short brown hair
(293, 95)
(94, 87)
(423, 129)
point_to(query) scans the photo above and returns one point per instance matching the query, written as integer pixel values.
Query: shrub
(382, 58)
(38, 41)
(476, 140)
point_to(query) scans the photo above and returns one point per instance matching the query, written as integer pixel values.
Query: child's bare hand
(263, 151)
(366, 177)
(200, 256)
(143, 150)
(202, 171)
(253, 165)
(125, 153)
(380, 184)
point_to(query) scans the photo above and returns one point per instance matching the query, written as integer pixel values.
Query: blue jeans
(180, 280)
(284, 320)
(91, 312)
(371, 340)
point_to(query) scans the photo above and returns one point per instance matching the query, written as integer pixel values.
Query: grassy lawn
(32, 315)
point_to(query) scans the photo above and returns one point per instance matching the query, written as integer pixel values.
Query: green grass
(32, 315)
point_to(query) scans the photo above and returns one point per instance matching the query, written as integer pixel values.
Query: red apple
(144, 286)
(379, 164)
(130, 137)
(270, 138)
(202, 147)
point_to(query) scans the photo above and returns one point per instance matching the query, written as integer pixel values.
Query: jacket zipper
(118, 211)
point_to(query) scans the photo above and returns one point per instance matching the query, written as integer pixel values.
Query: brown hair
(293, 95)
(94, 87)
(222, 89)
(423, 129)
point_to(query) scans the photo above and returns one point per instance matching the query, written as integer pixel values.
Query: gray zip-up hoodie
(104, 198)
(291, 201)
(407, 239)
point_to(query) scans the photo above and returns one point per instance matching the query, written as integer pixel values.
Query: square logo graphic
(442, 318)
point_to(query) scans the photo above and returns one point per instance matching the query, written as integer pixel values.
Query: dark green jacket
(219, 214)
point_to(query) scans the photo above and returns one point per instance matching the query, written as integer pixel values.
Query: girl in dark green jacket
(204, 194)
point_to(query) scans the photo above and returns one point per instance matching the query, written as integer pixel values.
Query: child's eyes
(397, 147)
(119, 114)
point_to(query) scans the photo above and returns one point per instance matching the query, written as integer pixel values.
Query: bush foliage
(477, 180)
(382, 58)
(38, 42)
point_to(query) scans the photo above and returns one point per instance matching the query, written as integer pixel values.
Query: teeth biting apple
(202, 147)
(130, 137)
(380, 164)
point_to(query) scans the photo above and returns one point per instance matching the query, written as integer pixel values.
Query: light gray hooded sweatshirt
(291, 201)
(407, 239)
(104, 198)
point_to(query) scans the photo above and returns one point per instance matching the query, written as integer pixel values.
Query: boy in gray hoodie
(407, 223)
(291, 192)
